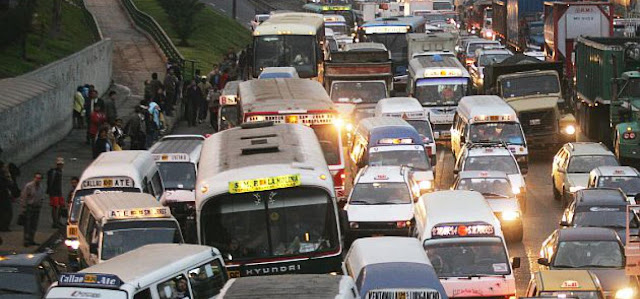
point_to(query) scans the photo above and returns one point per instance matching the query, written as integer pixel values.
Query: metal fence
(91, 20)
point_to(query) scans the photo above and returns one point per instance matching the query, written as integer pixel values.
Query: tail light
(403, 224)
(469, 60)
(629, 135)
(339, 178)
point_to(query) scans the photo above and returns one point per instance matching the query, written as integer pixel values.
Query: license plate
(534, 122)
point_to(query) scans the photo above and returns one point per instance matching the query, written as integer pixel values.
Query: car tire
(556, 194)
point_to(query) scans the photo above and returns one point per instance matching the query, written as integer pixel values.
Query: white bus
(266, 200)
(438, 82)
(303, 102)
(290, 39)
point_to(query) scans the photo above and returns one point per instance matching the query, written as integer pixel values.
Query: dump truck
(533, 88)
(608, 92)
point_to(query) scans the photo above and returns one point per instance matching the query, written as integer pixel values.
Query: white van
(158, 271)
(114, 172)
(111, 224)
(412, 112)
(291, 286)
(488, 118)
(465, 244)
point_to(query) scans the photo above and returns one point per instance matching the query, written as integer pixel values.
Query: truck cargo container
(511, 20)
(564, 22)
(608, 92)
(431, 42)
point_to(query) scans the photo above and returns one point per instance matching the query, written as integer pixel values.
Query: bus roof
(287, 286)
(319, 8)
(378, 250)
(291, 23)
(149, 264)
(187, 150)
(484, 108)
(260, 150)
(437, 66)
(125, 205)
(119, 163)
(285, 95)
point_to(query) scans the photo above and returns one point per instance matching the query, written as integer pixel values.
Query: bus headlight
(425, 185)
(510, 215)
(338, 122)
(624, 293)
(348, 127)
(73, 244)
(570, 130)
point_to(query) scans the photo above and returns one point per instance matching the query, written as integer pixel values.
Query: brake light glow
(339, 178)
(629, 135)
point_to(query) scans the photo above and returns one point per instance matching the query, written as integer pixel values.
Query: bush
(182, 16)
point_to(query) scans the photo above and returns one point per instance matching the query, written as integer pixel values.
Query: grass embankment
(41, 50)
(213, 36)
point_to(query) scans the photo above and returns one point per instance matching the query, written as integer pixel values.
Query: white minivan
(465, 244)
(158, 271)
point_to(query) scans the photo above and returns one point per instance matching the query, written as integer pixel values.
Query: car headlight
(425, 185)
(338, 122)
(570, 130)
(510, 215)
(348, 127)
(73, 244)
(575, 189)
(354, 224)
(624, 293)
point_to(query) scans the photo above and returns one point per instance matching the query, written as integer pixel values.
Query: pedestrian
(170, 83)
(31, 202)
(154, 84)
(93, 102)
(154, 112)
(112, 139)
(160, 99)
(205, 87)
(136, 129)
(192, 100)
(74, 184)
(6, 209)
(214, 107)
(223, 79)
(214, 75)
(54, 189)
(97, 119)
(110, 108)
(78, 108)
(102, 143)
(118, 133)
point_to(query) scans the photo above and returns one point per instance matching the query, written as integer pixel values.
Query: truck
(533, 88)
(413, 6)
(476, 15)
(566, 21)
(511, 19)
(431, 42)
(608, 92)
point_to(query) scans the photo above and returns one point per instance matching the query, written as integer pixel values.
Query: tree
(56, 18)
(27, 9)
(182, 15)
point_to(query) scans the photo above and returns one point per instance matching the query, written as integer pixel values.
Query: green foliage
(182, 16)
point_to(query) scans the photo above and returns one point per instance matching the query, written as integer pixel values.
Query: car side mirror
(515, 262)
(456, 171)
(93, 248)
(543, 261)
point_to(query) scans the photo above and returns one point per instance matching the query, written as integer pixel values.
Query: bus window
(286, 50)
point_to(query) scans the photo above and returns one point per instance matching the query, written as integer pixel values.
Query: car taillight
(339, 178)
(403, 224)
(629, 135)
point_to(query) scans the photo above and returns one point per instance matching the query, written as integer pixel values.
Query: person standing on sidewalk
(102, 143)
(6, 210)
(97, 119)
(203, 107)
(170, 83)
(31, 201)
(192, 100)
(78, 107)
(136, 129)
(54, 189)
(214, 107)
(110, 108)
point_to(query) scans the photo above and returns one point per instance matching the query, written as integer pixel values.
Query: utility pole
(234, 7)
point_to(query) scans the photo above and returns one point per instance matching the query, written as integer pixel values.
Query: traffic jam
(399, 150)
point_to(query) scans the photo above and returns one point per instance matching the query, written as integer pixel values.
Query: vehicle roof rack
(486, 143)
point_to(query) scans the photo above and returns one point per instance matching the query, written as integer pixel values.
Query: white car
(278, 72)
(381, 202)
(486, 57)
(625, 178)
(573, 163)
(257, 20)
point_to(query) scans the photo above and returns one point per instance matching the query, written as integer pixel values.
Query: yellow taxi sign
(263, 184)
(570, 284)
(140, 213)
(442, 72)
(335, 7)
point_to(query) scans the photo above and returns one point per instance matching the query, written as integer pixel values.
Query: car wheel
(556, 194)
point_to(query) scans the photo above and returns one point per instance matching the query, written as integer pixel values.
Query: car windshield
(490, 59)
(413, 158)
(380, 194)
(275, 75)
(77, 198)
(497, 187)
(604, 218)
(396, 43)
(630, 185)
(468, 257)
(585, 163)
(509, 132)
(178, 175)
(121, 237)
(505, 164)
(442, 5)
(358, 92)
(578, 295)
(440, 91)
(588, 254)
(472, 47)
(286, 50)
(229, 116)
(281, 222)
(329, 138)
(424, 129)
(13, 281)
(339, 29)
(530, 85)
(631, 89)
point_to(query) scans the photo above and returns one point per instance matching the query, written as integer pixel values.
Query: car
(506, 202)
(488, 156)
(572, 164)
(564, 284)
(486, 57)
(600, 208)
(469, 52)
(381, 202)
(596, 249)
(257, 20)
(625, 178)
(278, 72)
(27, 275)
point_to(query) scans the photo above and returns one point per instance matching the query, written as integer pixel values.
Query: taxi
(565, 284)
(381, 202)
(507, 203)
(625, 178)
(488, 156)
(572, 164)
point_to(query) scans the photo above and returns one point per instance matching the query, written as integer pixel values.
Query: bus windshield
(329, 138)
(494, 187)
(178, 175)
(265, 224)
(505, 164)
(631, 89)
(440, 91)
(124, 236)
(396, 43)
(424, 129)
(77, 198)
(286, 50)
(465, 257)
(358, 92)
(508, 132)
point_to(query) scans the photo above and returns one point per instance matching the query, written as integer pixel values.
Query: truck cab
(628, 99)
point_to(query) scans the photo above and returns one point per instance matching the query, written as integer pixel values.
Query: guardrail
(91, 20)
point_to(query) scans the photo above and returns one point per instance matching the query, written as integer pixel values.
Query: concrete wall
(38, 122)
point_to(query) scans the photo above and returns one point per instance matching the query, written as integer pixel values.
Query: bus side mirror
(543, 261)
(515, 263)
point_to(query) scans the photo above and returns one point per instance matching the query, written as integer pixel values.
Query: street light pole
(234, 8)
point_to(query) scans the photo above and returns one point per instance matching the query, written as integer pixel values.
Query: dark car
(600, 207)
(596, 249)
(26, 275)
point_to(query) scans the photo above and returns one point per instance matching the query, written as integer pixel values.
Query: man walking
(110, 108)
(54, 189)
(193, 99)
(5, 199)
(31, 201)
(78, 106)
(170, 83)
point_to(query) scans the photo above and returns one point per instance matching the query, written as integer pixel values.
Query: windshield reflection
(440, 91)
(465, 258)
(286, 50)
